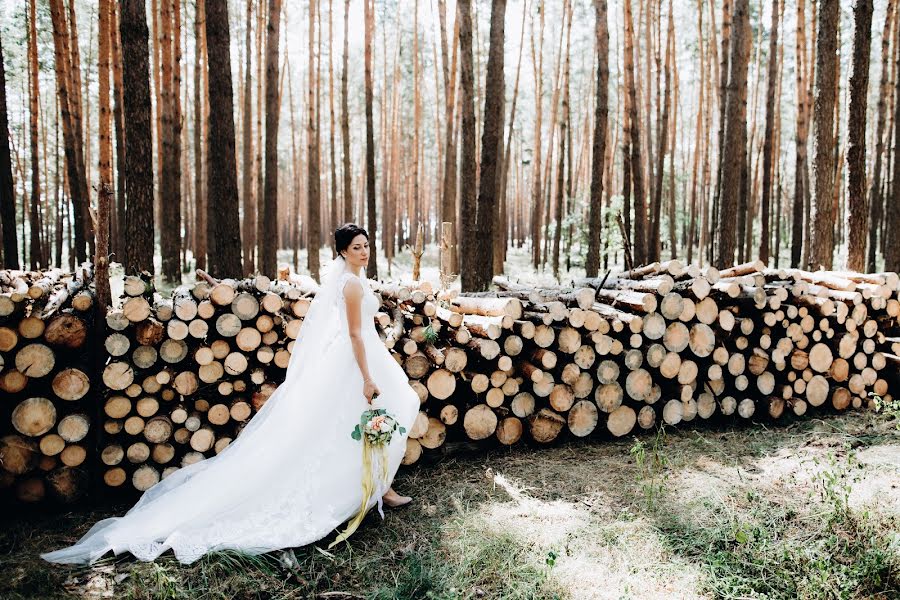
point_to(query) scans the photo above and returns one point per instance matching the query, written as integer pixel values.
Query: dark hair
(344, 234)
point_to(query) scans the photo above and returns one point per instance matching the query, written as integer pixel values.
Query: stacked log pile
(664, 344)
(46, 416)
(187, 373)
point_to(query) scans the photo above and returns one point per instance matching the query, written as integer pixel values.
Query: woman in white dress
(294, 474)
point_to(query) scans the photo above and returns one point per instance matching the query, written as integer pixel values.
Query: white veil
(146, 521)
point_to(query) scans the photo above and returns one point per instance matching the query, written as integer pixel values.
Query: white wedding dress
(294, 474)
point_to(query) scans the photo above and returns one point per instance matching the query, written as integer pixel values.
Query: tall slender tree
(564, 138)
(892, 216)
(448, 185)
(35, 255)
(491, 138)
(636, 159)
(223, 226)
(170, 177)
(821, 247)
(538, 62)
(7, 194)
(201, 105)
(734, 149)
(768, 142)
(345, 120)
(876, 200)
(372, 267)
(856, 152)
(248, 224)
(68, 107)
(314, 218)
(118, 233)
(139, 223)
(467, 146)
(269, 248)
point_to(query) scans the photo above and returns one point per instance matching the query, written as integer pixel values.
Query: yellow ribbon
(368, 486)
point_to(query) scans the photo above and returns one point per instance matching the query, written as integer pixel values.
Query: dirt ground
(808, 509)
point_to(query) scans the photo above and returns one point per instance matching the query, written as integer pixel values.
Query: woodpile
(185, 374)
(46, 414)
(662, 344)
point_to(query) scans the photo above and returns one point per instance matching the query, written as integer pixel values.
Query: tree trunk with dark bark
(876, 200)
(768, 142)
(892, 214)
(67, 99)
(490, 146)
(467, 164)
(139, 223)
(598, 154)
(7, 195)
(372, 267)
(734, 149)
(636, 165)
(822, 216)
(268, 257)
(856, 134)
(223, 227)
(35, 256)
(345, 121)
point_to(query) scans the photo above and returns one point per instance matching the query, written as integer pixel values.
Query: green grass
(809, 510)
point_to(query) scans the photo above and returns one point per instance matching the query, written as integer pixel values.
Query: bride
(294, 474)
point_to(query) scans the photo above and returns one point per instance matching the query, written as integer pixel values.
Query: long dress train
(289, 479)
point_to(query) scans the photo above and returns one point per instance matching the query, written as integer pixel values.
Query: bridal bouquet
(378, 427)
(375, 429)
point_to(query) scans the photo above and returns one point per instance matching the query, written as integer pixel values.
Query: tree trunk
(598, 154)
(118, 234)
(856, 152)
(771, 84)
(201, 104)
(7, 195)
(345, 121)
(267, 260)
(314, 227)
(139, 223)
(724, 57)
(564, 137)
(636, 166)
(467, 167)
(448, 186)
(654, 246)
(892, 217)
(170, 178)
(479, 277)
(67, 98)
(734, 149)
(35, 256)
(223, 226)
(76, 107)
(876, 200)
(247, 198)
(372, 267)
(822, 217)
(536, 212)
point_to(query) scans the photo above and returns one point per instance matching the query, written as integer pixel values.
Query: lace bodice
(368, 307)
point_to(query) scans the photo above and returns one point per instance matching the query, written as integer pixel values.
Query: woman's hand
(370, 390)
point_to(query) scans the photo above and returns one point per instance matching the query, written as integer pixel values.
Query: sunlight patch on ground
(598, 552)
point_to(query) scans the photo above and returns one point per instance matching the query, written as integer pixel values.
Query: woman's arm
(353, 294)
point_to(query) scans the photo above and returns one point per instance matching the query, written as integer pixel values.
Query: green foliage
(888, 408)
(818, 549)
(652, 466)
